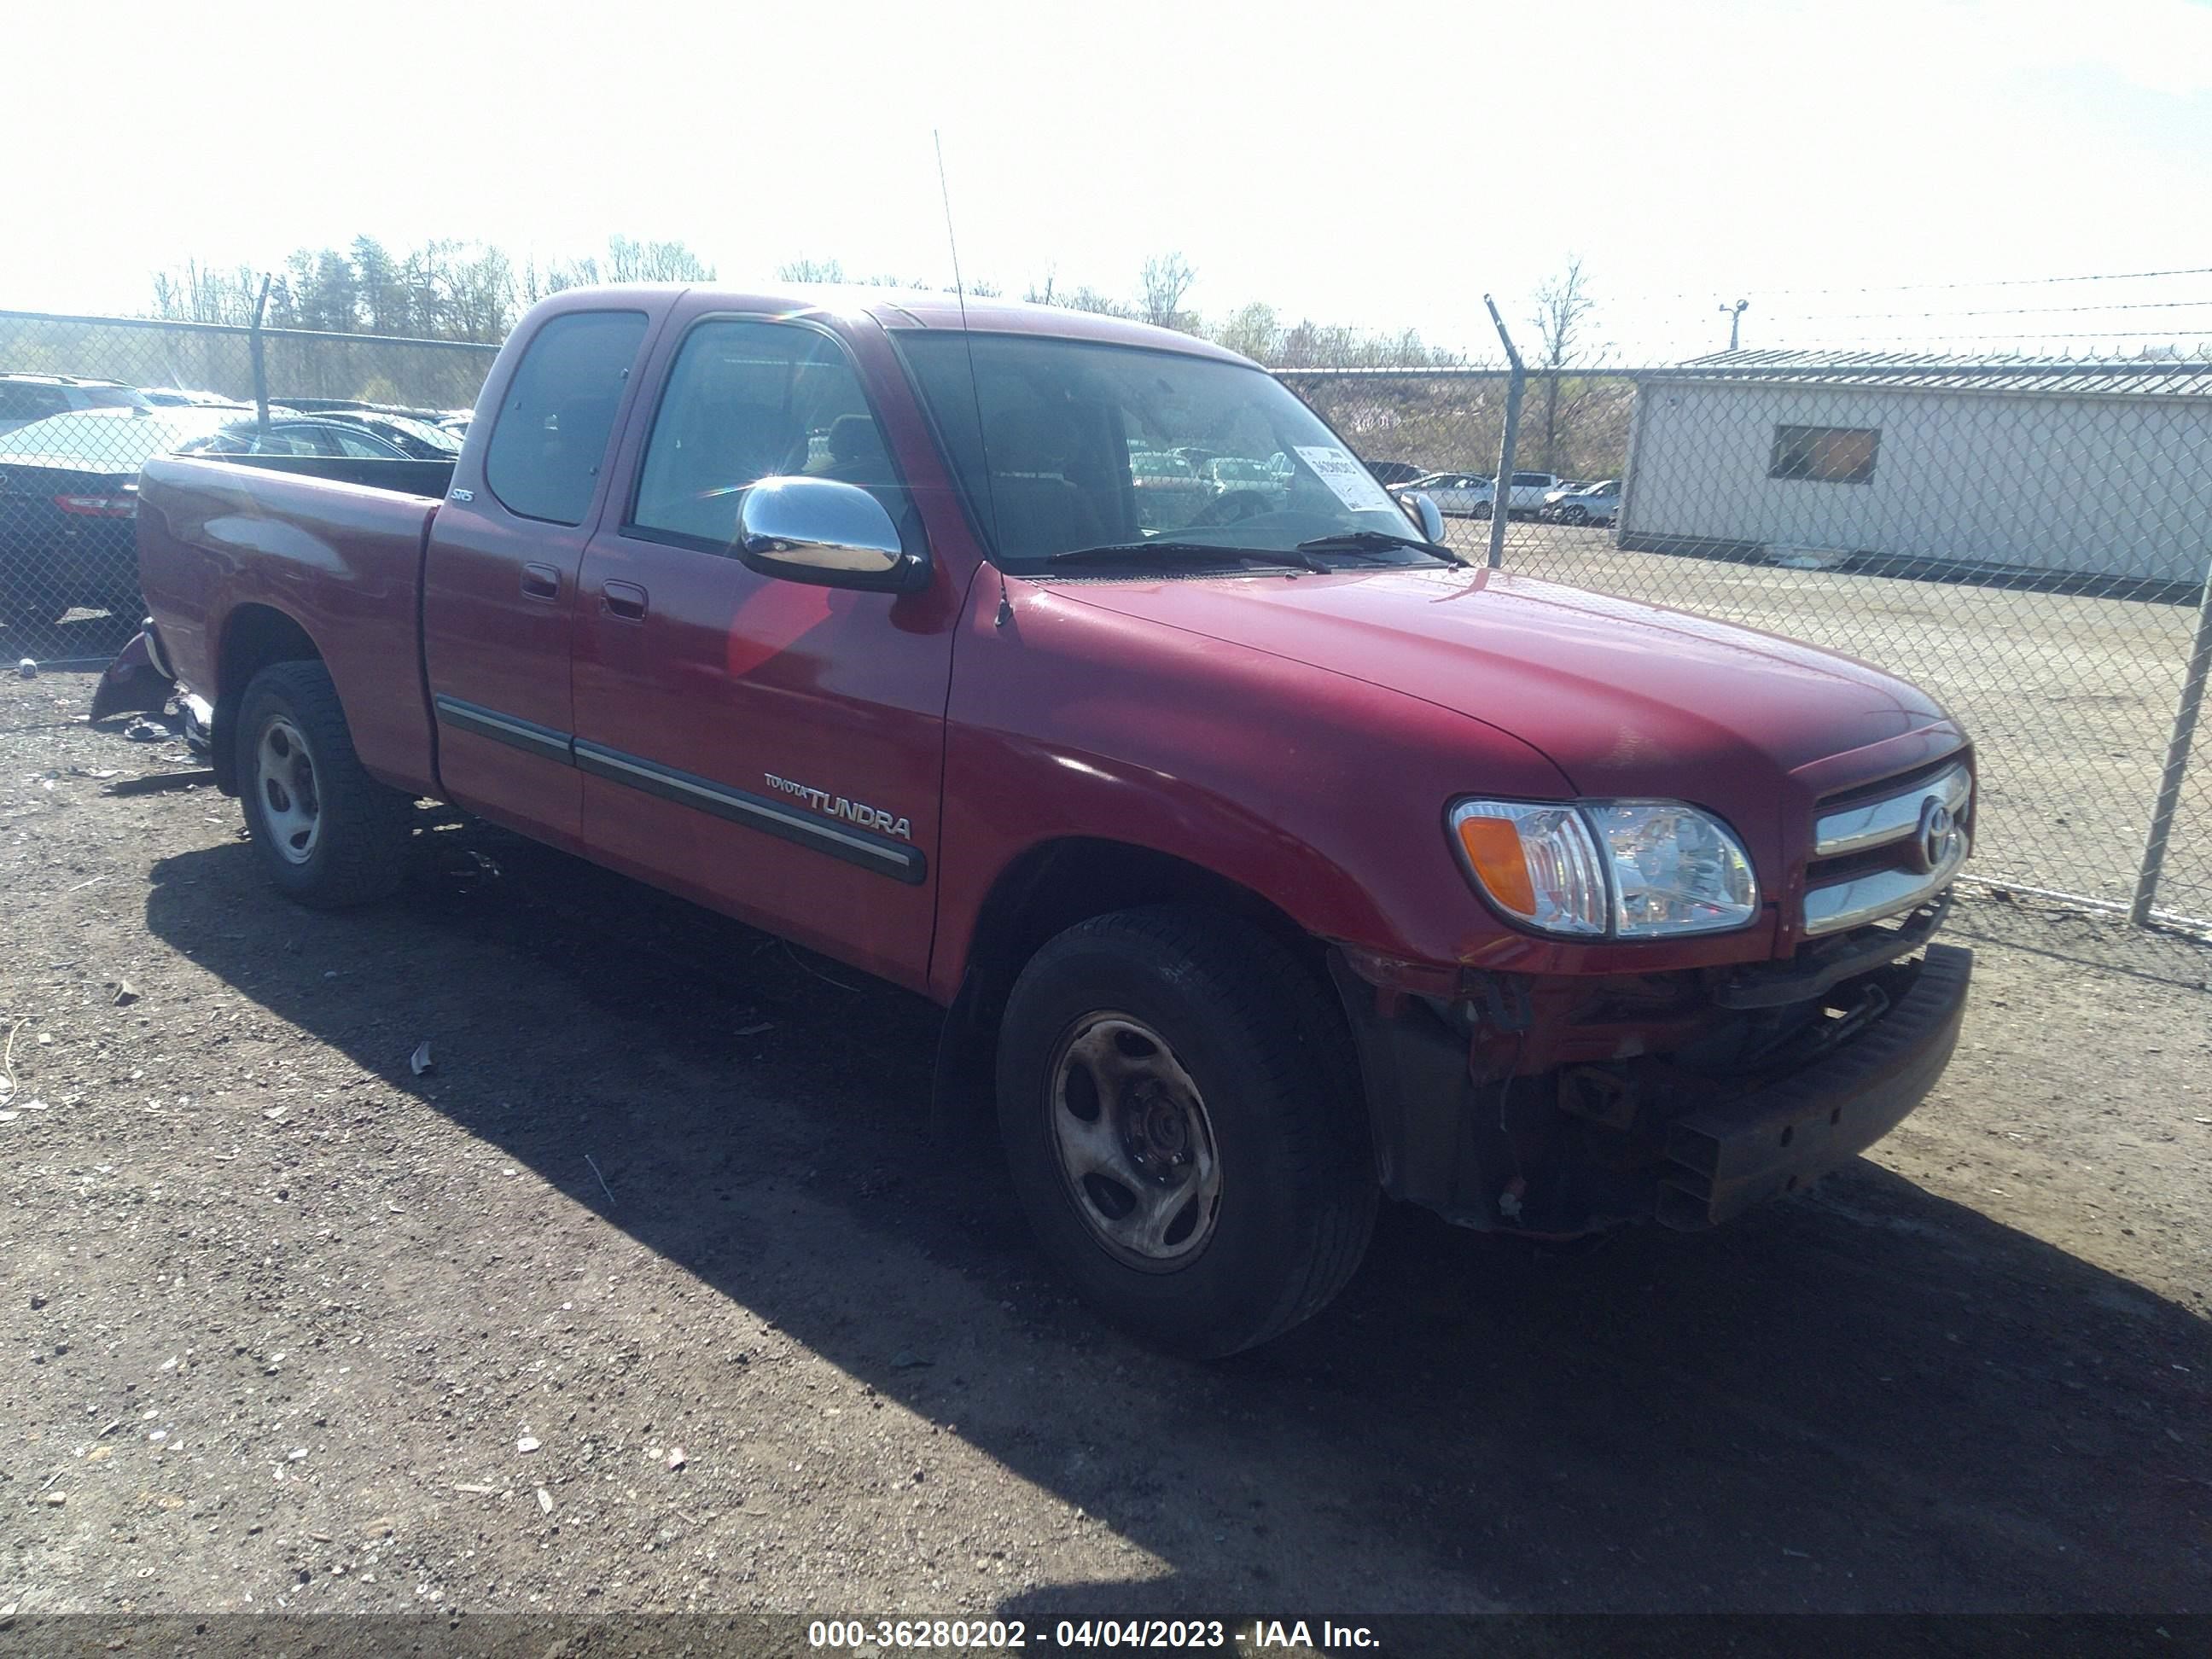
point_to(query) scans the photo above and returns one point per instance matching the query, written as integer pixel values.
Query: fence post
(2177, 758)
(260, 367)
(1501, 493)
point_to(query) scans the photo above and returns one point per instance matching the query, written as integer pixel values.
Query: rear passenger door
(768, 747)
(499, 580)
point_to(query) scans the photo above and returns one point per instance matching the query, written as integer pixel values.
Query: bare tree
(1565, 339)
(1166, 278)
(811, 270)
(629, 260)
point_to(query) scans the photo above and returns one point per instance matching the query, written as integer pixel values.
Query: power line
(1943, 340)
(1912, 288)
(1995, 310)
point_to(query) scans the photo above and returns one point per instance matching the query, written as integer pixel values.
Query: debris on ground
(420, 1061)
(155, 783)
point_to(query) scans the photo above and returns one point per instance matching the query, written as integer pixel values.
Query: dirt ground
(658, 1293)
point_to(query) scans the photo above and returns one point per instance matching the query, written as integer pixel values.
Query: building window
(1829, 455)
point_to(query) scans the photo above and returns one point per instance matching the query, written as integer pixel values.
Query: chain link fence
(2028, 540)
(84, 401)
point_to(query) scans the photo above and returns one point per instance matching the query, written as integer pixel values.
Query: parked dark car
(417, 440)
(69, 498)
(300, 436)
(1388, 473)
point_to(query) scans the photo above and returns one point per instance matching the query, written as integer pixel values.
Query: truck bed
(230, 546)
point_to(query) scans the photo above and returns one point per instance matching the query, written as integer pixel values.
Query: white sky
(1344, 161)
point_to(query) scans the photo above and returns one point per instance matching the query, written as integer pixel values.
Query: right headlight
(1598, 869)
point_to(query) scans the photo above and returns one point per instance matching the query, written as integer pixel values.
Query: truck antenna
(982, 445)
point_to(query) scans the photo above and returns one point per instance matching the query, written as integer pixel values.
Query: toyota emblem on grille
(1937, 837)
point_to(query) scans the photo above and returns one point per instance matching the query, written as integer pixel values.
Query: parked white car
(28, 397)
(1526, 494)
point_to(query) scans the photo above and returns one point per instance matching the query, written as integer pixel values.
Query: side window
(30, 403)
(559, 412)
(1829, 454)
(361, 447)
(752, 400)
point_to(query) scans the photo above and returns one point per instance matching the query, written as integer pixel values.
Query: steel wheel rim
(285, 784)
(1134, 1143)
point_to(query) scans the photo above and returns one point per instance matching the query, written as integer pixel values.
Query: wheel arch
(254, 636)
(1050, 888)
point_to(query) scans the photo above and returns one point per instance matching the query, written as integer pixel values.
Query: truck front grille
(1888, 846)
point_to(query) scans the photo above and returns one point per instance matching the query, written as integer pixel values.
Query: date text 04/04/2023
(1006, 1634)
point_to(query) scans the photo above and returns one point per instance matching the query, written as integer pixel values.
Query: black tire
(1479, 510)
(1280, 1102)
(356, 850)
(1577, 515)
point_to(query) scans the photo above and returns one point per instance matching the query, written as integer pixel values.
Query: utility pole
(1734, 314)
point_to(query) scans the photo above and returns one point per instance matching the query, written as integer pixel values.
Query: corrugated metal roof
(2049, 377)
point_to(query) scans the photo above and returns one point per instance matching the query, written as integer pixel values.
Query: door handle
(624, 599)
(541, 581)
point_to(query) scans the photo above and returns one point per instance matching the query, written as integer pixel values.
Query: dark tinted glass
(1082, 445)
(559, 412)
(1828, 454)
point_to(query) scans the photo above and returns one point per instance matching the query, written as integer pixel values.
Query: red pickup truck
(1264, 857)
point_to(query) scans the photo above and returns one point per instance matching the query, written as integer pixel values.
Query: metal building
(2092, 470)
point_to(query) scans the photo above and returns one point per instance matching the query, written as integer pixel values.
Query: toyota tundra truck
(1266, 859)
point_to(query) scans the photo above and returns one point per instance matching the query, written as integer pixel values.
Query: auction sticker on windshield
(1354, 484)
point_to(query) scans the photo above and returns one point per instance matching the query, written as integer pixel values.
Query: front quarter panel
(1323, 794)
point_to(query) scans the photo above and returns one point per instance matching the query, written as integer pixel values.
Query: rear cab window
(551, 439)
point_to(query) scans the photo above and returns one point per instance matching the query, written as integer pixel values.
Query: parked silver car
(1597, 503)
(1457, 494)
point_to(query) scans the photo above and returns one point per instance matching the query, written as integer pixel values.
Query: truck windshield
(1084, 445)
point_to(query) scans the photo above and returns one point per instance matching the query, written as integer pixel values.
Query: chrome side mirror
(832, 534)
(1428, 515)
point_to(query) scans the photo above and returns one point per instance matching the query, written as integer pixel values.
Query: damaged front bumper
(1554, 1108)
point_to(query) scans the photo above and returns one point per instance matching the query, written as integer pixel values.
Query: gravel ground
(656, 1292)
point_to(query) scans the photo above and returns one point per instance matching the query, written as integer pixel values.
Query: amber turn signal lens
(1493, 850)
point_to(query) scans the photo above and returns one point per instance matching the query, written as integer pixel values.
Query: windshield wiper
(1179, 553)
(1373, 541)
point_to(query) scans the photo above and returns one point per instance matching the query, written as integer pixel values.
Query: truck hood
(1625, 699)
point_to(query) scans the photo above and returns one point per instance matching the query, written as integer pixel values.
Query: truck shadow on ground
(1872, 1399)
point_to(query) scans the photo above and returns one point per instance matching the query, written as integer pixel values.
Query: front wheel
(328, 835)
(1184, 1128)
(1481, 510)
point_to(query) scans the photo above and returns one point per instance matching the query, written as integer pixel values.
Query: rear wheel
(1574, 514)
(1184, 1128)
(1481, 510)
(328, 835)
